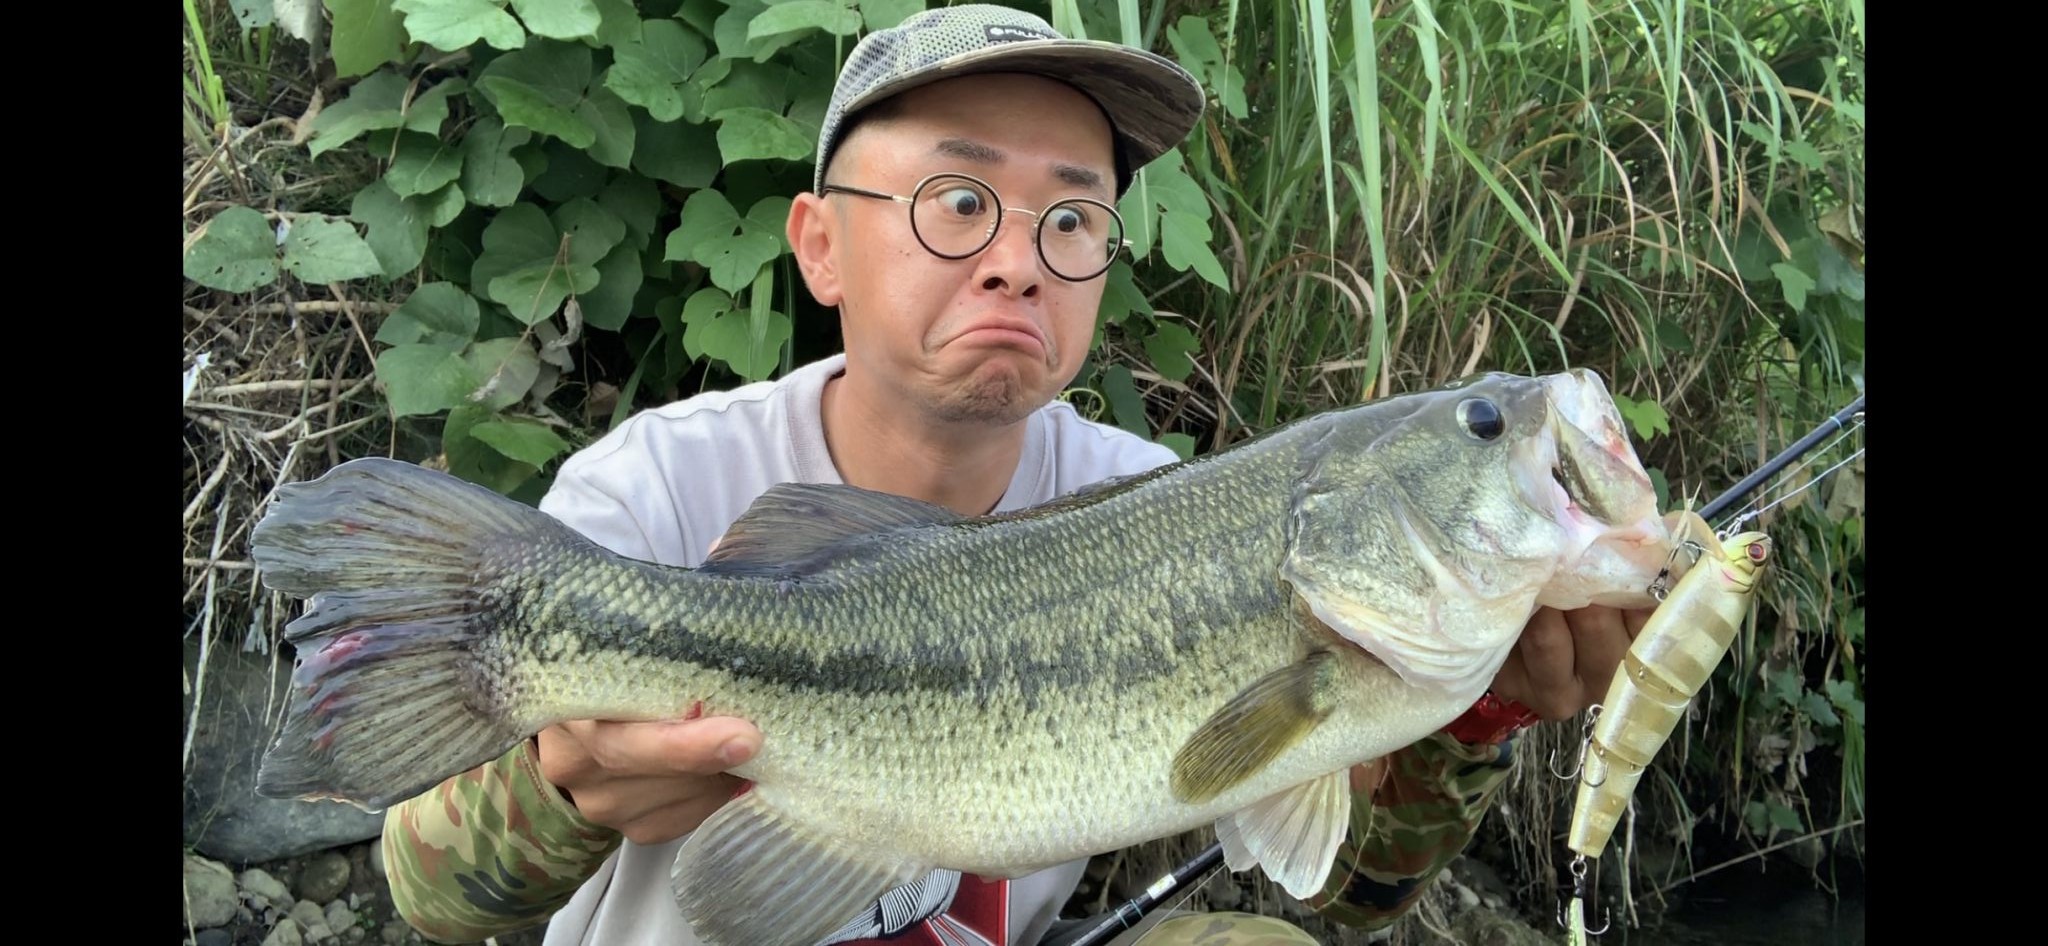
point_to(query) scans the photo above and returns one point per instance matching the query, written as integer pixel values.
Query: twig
(220, 526)
(318, 307)
(1759, 853)
(267, 387)
(206, 489)
(229, 566)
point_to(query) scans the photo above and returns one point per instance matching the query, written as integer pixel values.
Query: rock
(1466, 898)
(325, 878)
(377, 861)
(340, 917)
(1487, 928)
(259, 882)
(215, 937)
(285, 933)
(209, 893)
(394, 932)
(224, 817)
(308, 914)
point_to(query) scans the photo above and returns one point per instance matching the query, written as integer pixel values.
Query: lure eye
(1480, 418)
(1757, 552)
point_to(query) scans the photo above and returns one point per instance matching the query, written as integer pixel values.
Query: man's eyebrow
(1072, 175)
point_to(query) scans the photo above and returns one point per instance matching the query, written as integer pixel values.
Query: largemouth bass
(1212, 642)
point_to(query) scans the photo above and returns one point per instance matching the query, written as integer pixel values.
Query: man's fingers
(699, 746)
(1547, 651)
(1599, 639)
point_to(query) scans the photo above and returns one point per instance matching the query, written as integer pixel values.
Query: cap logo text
(1012, 34)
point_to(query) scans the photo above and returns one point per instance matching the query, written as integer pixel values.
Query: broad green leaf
(770, 215)
(424, 164)
(424, 379)
(882, 14)
(744, 85)
(253, 14)
(236, 253)
(651, 71)
(682, 154)
(397, 228)
(713, 327)
(454, 24)
(1124, 401)
(367, 34)
(749, 133)
(540, 87)
(701, 14)
(429, 110)
(1168, 347)
(827, 15)
(571, 173)
(504, 369)
(620, 23)
(714, 234)
(476, 461)
(559, 19)
(1184, 239)
(592, 230)
(524, 441)
(619, 276)
(1795, 283)
(1817, 708)
(1646, 416)
(442, 206)
(374, 102)
(520, 237)
(1181, 444)
(612, 120)
(1805, 154)
(1121, 295)
(1837, 274)
(1842, 694)
(490, 176)
(1784, 817)
(440, 314)
(320, 250)
(635, 201)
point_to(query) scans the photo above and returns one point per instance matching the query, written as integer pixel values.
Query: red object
(1491, 721)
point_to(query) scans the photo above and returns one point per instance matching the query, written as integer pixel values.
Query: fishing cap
(1152, 102)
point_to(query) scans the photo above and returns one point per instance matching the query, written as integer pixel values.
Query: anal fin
(1293, 835)
(749, 877)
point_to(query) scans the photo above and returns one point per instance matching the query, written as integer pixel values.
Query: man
(962, 121)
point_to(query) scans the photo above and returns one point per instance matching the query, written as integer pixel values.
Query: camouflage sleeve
(1424, 813)
(489, 851)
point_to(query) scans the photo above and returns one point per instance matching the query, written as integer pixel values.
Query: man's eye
(961, 200)
(1068, 220)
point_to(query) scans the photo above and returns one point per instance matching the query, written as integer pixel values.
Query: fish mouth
(1595, 488)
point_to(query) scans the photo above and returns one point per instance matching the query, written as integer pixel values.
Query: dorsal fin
(796, 527)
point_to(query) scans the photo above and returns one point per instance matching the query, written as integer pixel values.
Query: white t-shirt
(671, 479)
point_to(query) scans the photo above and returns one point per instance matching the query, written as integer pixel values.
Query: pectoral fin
(1254, 728)
(750, 877)
(1293, 835)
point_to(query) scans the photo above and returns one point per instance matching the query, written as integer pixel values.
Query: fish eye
(1480, 418)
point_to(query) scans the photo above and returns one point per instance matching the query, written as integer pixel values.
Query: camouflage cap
(1151, 101)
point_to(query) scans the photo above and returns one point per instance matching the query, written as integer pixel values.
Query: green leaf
(236, 253)
(1124, 401)
(1842, 694)
(476, 461)
(701, 14)
(677, 152)
(1121, 295)
(609, 116)
(521, 440)
(439, 314)
(825, 15)
(253, 14)
(1784, 817)
(619, 276)
(1816, 708)
(423, 379)
(1837, 274)
(634, 200)
(770, 215)
(490, 176)
(744, 85)
(1784, 686)
(621, 23)
(651, 71)
(372, 103)
(397, 229)
(592, 230)
(504, 369)
(1180, 443)
(571, 173)
(321, 250)
(883, 14)
(424, 164)
(1184, 240)
(712, 326)
(442, 206)
(541, 87)
(454, 24)
(429, 110)
(519, 249)
(1168, 347)
(367, 34)
(1647, 417)
(712, 233)
(1805, 154)
(751, 133)
(559, 19)
(1795, 282)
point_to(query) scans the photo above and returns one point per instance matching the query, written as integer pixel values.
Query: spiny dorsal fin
(798, 527)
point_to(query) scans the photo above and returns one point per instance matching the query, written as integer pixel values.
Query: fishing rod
(1105, 926)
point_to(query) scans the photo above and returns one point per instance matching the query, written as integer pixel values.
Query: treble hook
(1586, 745)
(1579, 897)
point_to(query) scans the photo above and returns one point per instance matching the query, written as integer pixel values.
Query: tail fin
(389, 697)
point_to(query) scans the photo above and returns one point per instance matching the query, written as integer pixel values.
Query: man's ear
(811, 231)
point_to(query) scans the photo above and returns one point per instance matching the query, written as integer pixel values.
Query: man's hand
(653, 782)
(1565, 659)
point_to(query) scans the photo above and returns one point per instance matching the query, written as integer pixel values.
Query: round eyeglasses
(956, 216)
